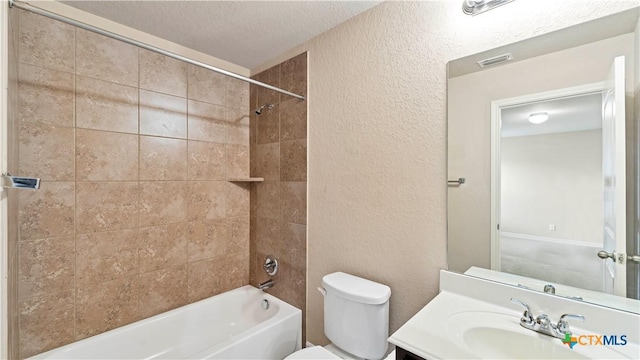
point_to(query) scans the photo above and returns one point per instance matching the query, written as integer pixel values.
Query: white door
(613, 159)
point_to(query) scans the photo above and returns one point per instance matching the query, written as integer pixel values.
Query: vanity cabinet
(402, 354)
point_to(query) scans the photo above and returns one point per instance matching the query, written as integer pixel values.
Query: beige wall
(279, 204)
(469, 131)
(134, 216)
(377, 138)
(552, 179)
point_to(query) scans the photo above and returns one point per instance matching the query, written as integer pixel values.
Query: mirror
(546, 233)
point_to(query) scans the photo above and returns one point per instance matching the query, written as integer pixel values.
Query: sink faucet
(542, 323)
(267, 284)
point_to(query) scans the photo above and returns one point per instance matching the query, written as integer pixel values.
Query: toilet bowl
(356, 319)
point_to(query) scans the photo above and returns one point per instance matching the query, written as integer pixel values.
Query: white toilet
(356, 319)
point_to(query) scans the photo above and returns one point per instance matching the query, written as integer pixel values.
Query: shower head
(268, 106)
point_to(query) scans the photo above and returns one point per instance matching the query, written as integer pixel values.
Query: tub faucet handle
(270, 265)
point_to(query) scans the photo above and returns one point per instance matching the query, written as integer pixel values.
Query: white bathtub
(232, 325)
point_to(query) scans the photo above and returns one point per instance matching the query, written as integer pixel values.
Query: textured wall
(470, 155)
(134, 216)
(377, 137)
(279, 204)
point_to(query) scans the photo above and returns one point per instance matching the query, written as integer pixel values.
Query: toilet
(356, 319)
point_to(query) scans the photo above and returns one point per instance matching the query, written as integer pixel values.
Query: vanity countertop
(474, 318)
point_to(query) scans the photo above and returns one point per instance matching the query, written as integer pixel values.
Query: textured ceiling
(246, 33)
(577, 113)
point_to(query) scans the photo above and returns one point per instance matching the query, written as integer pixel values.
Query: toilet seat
(314, 352)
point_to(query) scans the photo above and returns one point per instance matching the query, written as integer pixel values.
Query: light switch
(552, 227)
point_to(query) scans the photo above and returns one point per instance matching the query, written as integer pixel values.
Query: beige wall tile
(206, 122)
(218, 275)
(163, 202)
(206, 161)
(46, 323)
(237, 94)
(46, 96)
(294, 74)
(106, 256)
(106, 59)
(268, 125)
(268, 161)
(237, 126)
(268, 199)
(268, 235)
(163, 158)
(236, 271)
(163, 246)
(253, 254)
(46, 152)
(239, 229)
(207, 239)
(102, 105)
(48, 212)
(293, 238)
(294, 202)
(293, 160)
(206, 85)
(46, 266)
(271, 77)
(237, 202)
(293, 119)
(106, 206)
(102, 156)
(253, 98)
(162, 74)
(253, 160)
(46, 42)
(205, 279)
(162, 290)
(237, 162)
(207, 200)
(163, 115)
(106, 306)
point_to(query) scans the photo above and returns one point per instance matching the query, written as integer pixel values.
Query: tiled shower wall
(134, 216)
(279, 204)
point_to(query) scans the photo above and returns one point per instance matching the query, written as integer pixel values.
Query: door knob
(605, 255)
(621, 258)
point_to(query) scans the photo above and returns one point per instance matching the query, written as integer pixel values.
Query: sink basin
(500, 336)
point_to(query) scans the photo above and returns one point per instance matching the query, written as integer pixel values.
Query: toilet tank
(356, 314)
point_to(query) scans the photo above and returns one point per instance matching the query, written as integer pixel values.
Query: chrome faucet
(542, 323)
(267, 284)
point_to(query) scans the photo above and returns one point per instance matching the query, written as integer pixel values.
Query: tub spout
(267, 284)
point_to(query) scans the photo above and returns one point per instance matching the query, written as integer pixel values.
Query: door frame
(496, 122)
(4, 260)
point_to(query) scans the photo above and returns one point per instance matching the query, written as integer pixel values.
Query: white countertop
(436, 331)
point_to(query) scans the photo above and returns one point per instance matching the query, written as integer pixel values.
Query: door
(613, 166)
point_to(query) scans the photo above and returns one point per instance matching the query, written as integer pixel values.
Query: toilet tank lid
(356, 289)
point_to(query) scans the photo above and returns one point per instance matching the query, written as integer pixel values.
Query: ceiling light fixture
(475, 7)
(538, 118)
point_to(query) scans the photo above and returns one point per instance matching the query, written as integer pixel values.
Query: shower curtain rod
(28, 7)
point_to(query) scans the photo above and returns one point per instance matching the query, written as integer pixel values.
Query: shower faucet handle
(270, 265)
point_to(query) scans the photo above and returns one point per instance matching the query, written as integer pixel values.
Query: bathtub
(232, 325)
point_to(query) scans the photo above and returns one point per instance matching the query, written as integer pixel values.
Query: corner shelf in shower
(253, 179)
